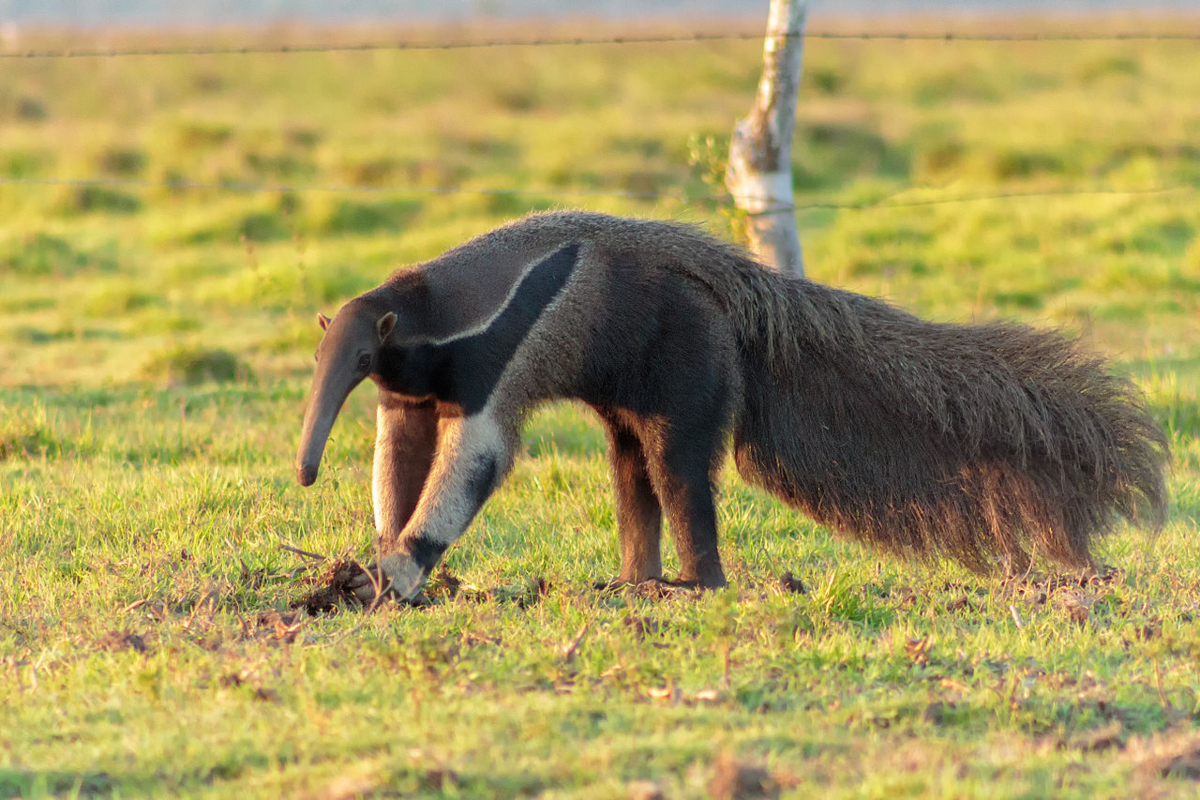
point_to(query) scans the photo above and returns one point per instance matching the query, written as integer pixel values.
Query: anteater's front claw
(369, 584)
(397, 576)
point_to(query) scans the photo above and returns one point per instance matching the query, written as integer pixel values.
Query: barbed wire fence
(566, 41)
(890, 201)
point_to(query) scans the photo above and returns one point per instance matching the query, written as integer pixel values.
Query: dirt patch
(274, 626)
(734, 780)
(331, 589)
(937, 713)
(445, 586)
(1179, 760)
(1097, 740)
(791, 584)
(961, 603)
(1082, 598)
(1183, 765)
(116, 641)
(1039, 587)
(265, 695)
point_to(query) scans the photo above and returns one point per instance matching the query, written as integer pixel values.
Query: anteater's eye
(364, 361)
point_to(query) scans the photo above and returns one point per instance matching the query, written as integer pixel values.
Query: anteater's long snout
(317, 424)
(324, 402)
(306, 474)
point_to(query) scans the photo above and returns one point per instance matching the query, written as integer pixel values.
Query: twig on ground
(571, 648)
(377, 580)
(304, 553)
(1158, 684)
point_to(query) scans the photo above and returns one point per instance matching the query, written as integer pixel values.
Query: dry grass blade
(571, 648)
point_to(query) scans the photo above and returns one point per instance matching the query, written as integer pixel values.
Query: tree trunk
(759, 175)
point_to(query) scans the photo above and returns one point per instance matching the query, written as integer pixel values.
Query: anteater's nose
(306, 474)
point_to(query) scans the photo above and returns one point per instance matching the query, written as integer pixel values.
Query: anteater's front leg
(473, 455)
(406, 438)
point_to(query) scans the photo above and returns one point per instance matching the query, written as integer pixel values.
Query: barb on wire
(469, 44)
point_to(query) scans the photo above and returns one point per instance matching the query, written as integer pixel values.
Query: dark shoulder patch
(474, 364)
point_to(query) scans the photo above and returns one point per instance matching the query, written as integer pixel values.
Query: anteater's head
(347, 354)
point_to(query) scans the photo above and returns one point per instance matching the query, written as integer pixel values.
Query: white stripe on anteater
(480, 327)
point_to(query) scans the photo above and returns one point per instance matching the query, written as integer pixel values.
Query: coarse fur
(983, 443)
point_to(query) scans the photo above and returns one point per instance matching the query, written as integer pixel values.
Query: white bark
(759, 175)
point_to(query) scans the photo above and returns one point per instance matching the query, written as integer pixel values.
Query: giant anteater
(986, 443)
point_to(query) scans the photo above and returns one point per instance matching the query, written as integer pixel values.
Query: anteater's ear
(323, 321)
(385, 325)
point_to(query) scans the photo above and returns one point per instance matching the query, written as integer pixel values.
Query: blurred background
(208, 12)
(182, 185)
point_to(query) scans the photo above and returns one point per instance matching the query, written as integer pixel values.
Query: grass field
(155, 347)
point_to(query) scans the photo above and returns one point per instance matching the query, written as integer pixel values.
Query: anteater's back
(977, 442)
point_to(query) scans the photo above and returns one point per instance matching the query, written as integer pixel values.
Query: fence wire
(469, 44)
(896, 200)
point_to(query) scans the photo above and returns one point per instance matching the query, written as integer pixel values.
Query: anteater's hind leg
(681, 463)
(639, 514)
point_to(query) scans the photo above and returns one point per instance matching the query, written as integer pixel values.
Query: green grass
(155, 348)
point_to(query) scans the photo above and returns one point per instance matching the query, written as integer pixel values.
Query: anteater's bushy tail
(980, 442)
